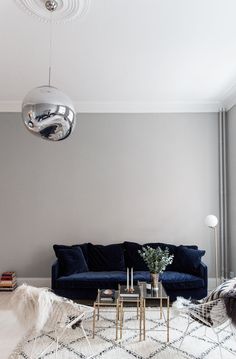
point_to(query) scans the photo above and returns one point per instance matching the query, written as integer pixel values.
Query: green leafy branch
(156, 259)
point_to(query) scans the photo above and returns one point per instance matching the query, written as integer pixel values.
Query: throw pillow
(83, 246)
(71, 260)
(106, 258)
(187, 260)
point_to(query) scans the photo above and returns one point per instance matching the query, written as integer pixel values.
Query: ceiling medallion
(67, 10)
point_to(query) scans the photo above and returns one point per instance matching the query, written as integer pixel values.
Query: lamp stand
(216, 254)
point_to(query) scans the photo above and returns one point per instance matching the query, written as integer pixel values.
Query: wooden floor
(10, 330)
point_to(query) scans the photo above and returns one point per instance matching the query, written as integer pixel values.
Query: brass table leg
(117, 318)
(168, 319)
(142, 330)
(161, 304)
(144, 319)
(140, 318)
(121, 319)
(94, 319)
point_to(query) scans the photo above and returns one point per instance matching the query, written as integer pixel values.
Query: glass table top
(151, 293)
(143, 292)
(102, 301)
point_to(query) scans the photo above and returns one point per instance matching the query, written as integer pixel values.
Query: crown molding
(229, 99)
(147, 107)
(129, 107)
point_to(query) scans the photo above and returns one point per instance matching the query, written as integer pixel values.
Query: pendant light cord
(50, 52)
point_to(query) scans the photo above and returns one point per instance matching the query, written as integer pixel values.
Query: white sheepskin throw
(32, 306)
(180, 304)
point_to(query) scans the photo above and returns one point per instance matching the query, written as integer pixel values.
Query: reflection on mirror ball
(48, 113)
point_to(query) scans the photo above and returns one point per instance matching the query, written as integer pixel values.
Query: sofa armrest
(55, 274)
(203, 272)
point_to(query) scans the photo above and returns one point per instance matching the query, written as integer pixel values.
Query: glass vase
(155, 280)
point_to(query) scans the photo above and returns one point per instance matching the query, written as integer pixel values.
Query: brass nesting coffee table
(128, 300)
(159, 296)
(120, 302)
(99, 304)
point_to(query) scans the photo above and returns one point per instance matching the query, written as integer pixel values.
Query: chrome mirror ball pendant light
(46, 111)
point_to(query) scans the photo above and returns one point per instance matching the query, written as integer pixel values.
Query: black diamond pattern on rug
(197, 344)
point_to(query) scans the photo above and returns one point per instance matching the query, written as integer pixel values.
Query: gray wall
(119, 177)
(231, 135)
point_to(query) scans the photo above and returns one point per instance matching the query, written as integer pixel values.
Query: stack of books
(8, 281)
(129, 294)
(107, 295)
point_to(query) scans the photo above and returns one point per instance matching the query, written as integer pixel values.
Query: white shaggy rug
(196, 345)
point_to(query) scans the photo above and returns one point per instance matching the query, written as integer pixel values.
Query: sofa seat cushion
(142, 276)
(170, 280)
(173, 280)
(92, 280)
(177, 280)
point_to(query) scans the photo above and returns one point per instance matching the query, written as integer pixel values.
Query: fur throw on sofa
(32, 306)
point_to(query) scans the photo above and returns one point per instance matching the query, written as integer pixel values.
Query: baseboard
(37, 282)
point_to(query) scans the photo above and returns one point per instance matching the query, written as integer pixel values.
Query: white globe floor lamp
(212, 222)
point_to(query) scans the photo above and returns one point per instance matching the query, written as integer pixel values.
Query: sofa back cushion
(174, 266)
(71, 259)
(106, 258)
(83, 246)
(133, 258)
(187, 259)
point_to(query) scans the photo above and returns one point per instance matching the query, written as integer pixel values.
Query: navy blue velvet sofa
(105, 267)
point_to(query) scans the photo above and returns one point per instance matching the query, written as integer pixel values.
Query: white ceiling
(125, 56)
